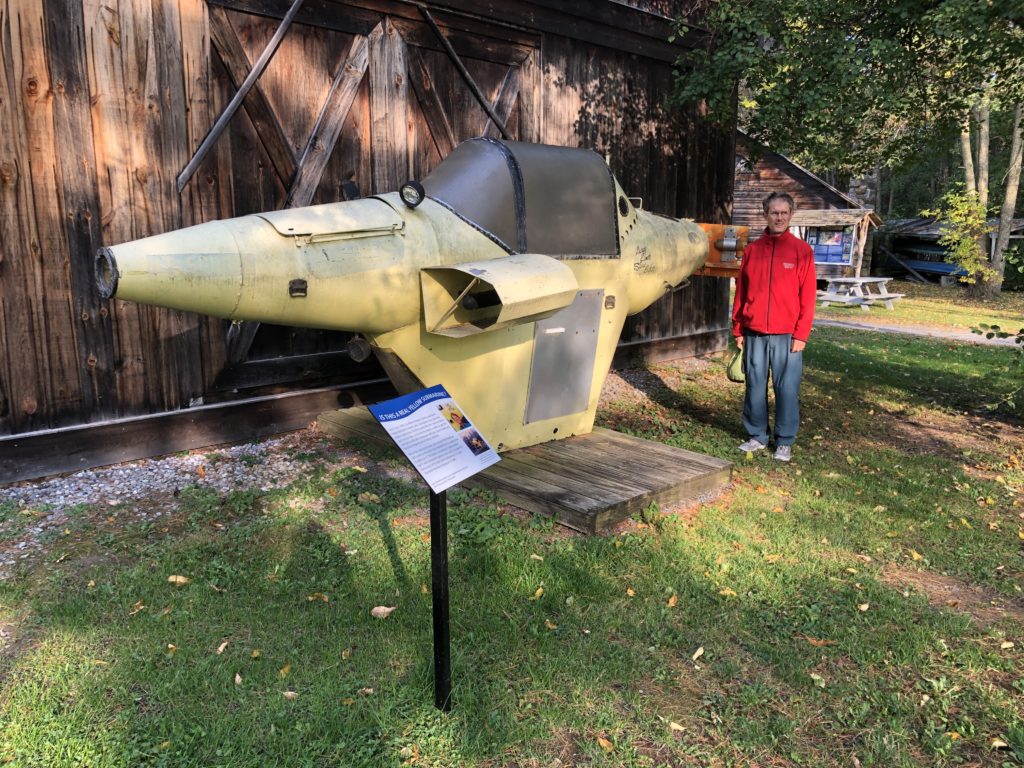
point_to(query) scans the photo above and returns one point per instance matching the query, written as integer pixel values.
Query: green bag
(735, 369)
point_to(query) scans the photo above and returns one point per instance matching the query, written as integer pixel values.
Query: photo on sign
(474, 442)
(454, 416)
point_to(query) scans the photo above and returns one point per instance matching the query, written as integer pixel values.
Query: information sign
(436, 436)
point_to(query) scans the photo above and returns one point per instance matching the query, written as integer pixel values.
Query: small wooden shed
(834, 224)
(123, 120)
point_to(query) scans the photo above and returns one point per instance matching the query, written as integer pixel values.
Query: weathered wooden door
(355, 101)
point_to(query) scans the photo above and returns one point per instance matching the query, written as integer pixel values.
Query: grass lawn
(936, 306)
(859, 606)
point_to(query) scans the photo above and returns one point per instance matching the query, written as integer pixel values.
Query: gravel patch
(144, 487)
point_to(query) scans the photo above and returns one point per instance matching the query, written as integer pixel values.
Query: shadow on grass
(580, 659)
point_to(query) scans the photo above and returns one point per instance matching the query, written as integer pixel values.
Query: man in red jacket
(771, 319)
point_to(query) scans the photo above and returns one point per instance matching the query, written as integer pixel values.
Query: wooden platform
(586, 482)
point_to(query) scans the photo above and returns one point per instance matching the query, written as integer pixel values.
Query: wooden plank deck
(587, 482)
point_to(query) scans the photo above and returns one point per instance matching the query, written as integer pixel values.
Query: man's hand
(739, 341)
(797, 345)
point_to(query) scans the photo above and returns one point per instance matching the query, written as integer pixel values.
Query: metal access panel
(565, 348)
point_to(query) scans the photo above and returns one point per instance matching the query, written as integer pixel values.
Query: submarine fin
(473, 297)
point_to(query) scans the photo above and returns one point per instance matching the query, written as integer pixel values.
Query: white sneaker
(752, 445)
(784, 452)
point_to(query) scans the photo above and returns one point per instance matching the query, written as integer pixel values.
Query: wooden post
(236, 101)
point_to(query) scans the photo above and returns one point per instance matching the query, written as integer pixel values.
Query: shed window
(831, 245)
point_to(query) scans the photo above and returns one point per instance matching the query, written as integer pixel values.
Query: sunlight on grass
(948, 307)
(792, 619)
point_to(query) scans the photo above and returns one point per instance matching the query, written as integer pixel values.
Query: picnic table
(858, 291)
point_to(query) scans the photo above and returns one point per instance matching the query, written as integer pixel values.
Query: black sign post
(436, 436)
(439, 595)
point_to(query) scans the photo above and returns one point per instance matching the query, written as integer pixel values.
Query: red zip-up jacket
(777, 287)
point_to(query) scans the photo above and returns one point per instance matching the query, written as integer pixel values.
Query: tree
(848, 83)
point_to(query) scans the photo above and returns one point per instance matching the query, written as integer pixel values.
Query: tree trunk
(981, 171)
(968, 156)
(993, 287)
(977, 178)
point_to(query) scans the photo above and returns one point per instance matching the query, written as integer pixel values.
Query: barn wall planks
(102, 104)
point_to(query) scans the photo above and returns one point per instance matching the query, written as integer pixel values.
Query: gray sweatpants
(761, 354)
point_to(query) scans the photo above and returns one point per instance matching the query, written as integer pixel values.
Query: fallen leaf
(348, 702)
(366, 497)
(178, 581)
(382, 611)
(550, 624)
(879, 508)
(674, 726)
(365, 691)
(255, 653)
(818, 643)
(536, 557)
(1020, 534)
(100, 662)
(999, 744)
(424, 589)
(537, 594)
(965, 524)
(318, 596)
(778, 510)
(238, 679)
(953, 735)
(221, 647)
(672, 601)
(201, 471)
(605, 744)
(697, 654)
(630, 592)
(727, 592)
(773, 558)
(91, 584)
(283, 671)
(217, 589)
(863, 607)
(818, 680)
(171, 649)
(290, 695)
(357, 468)
(346, 654)
(1006, 645)
(136, 608)
(915, 555)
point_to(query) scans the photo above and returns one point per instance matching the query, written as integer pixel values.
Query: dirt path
(935, 332)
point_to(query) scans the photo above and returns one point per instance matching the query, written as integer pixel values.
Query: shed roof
(928, 228)
(834, 217)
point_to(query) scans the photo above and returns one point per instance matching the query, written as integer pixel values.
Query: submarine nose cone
(106, 273)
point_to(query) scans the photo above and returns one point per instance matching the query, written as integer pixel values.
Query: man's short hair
(783, 196)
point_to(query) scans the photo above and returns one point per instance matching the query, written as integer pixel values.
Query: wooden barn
(835, 224)
(123, 120)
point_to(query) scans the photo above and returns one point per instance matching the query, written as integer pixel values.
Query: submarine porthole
(623, 205)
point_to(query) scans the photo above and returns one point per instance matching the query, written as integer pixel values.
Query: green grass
(786, 622)
(933, 305)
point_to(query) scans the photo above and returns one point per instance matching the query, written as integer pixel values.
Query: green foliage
(1013, 274)
(842, 84)
(996, 332)
(963, 219)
